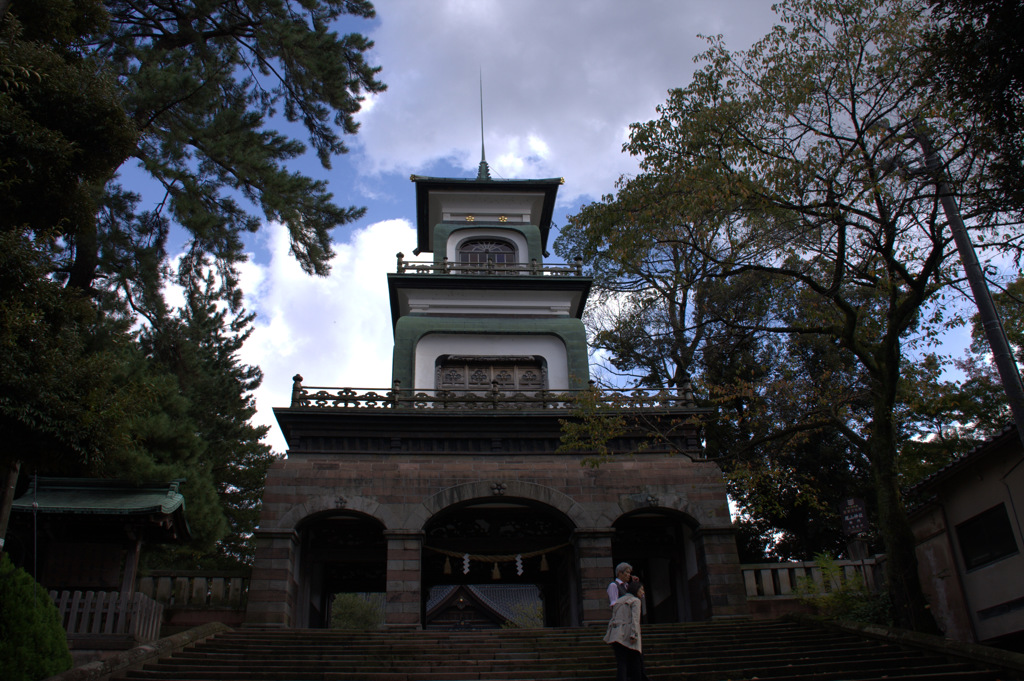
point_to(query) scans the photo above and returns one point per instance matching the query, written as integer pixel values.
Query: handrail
(533, 268)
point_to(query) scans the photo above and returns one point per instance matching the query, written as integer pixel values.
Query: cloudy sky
(562, 81)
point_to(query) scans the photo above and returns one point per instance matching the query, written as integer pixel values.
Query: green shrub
(843, 598)
(33, 645)
(361, 611)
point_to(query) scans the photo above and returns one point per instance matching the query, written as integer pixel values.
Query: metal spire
(484, 173)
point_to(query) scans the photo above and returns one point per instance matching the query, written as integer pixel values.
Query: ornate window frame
(481, 373)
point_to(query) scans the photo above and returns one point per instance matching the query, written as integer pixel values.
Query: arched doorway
(484, 559)
(340, 552)
(659, 544)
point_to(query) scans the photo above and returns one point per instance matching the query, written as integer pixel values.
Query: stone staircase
(777, 650)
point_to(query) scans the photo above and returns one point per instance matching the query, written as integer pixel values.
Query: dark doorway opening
(341, 552)
(659, 545)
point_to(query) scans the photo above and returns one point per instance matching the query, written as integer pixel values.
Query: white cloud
(561, 81)
(335, 331)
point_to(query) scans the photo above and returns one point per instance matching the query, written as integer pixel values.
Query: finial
(484, 173)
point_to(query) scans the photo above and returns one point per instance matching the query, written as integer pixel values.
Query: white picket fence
(93, 613)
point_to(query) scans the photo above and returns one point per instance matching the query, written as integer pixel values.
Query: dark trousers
(628, 663)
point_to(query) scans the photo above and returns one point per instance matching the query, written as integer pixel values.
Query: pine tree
(199, 345)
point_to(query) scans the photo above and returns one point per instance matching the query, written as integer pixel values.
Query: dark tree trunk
(87, 257)
(909, 607)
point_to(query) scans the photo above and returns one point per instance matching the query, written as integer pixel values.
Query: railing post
(401, 265)
(578, 265)
(534, 266)
(297, 391)
(446, 266)
(395, 387)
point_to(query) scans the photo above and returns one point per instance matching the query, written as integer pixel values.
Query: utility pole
(1009, 374)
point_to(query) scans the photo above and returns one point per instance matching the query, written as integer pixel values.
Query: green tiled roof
(101, 497)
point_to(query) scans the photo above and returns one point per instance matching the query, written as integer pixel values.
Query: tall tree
(800, 146)
(63, 128)
(190, 90)
(653, 319)
(62, 132)
(665, 317)
(199, 345)
(200, 83)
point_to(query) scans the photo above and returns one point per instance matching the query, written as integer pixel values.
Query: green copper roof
(101, 497)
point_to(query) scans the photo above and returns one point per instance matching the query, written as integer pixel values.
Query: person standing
(623, 576)
(623, 632)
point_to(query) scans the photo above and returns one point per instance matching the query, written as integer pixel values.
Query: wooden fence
(93, 613)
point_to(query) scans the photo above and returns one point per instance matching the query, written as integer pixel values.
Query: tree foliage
(63, 128)
(199, 346)
(962, 411)
(99, 375)
(199, 83)
(786, 165)
(976, 53)
(357, 611)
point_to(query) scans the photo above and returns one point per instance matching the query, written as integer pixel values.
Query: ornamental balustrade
(497, 398)
(534, 268)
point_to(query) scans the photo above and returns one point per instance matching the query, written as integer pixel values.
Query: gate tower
(452, 479)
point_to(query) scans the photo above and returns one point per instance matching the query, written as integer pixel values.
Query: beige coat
(624, 626)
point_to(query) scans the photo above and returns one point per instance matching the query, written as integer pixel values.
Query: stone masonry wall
(404, 491)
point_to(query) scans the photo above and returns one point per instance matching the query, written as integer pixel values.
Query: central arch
(485, 559)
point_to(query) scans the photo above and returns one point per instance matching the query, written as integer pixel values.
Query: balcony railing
(494, 399)
(533, 268)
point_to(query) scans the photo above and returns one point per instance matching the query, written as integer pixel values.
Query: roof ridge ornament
(484, 173)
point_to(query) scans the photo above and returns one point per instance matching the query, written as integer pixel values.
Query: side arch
(337, 503)
(340, 551)
(664, 547)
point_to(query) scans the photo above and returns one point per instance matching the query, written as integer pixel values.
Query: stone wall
(404, 490)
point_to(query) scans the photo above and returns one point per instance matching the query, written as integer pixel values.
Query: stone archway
(494, 532)
(340, 551)
(661, 546)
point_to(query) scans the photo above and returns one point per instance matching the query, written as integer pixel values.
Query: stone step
(780, 651)
(599, 651)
